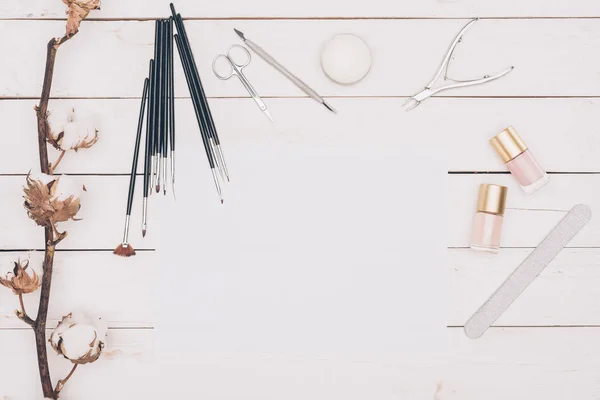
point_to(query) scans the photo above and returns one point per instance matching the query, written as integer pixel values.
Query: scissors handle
(232, 68)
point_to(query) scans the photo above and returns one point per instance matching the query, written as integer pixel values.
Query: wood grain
(519, 356)
(529, 218)
(314, 8)
(552, 57)
(562, 296)
(526, 223)
(88, 277)
(102, 216)
(562, 133)
(121, 366)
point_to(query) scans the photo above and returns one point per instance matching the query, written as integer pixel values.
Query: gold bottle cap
(508, 144)
(492, 199)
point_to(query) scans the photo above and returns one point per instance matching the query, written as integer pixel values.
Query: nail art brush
(155, 102)
(202, 102)
(283, 70)
(164, 106)
(125, 249)
(197, 108)
(220, 158)
(172, 104)
(160, 106)
(148, 152)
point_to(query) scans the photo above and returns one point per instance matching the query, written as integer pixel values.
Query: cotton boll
(58, 118)
(79, 338)
(70, 138)
(49, 199)
(72, 129)
(44, 178)
(76, 341)
(66, 188)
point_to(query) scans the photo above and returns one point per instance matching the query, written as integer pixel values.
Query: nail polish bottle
(519, 160)
(487, 224)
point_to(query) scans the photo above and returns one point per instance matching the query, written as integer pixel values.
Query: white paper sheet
(321, 276)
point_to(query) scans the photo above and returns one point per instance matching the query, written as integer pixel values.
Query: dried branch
(39, 325)
(21, 314)
(54, 165)
(61, 383)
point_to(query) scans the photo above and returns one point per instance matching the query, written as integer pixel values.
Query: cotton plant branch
(50, 200)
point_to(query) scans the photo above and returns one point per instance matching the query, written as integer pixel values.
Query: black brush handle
(197, 81)
(171, 88)
(157, 88)
(136, 151)
(149, 131)
(195, 101)
(164, 107)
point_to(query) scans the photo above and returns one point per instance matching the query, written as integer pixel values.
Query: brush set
(158, 110)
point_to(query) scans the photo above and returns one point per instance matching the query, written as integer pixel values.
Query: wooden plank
(102, 212)
(523, 363)
(103, 205)
(553, 364)
(572, 279)
(313, 8)
(82, 280)
(542, 51)
(529, 218)
(564, 294)
(561, 132)
(121, 371)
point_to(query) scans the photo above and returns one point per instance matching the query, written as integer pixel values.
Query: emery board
(529, 269)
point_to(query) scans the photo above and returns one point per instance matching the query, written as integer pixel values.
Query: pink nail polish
(487, 224)
(519, 160)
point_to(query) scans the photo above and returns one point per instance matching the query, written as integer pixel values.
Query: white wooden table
(545, 347)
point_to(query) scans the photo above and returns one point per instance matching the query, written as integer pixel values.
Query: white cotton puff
(70, 138)
(76, 341)
(78, 336)
(86, 129)
(58, 117)
(67, 187)
(44, 178)
(346, 59)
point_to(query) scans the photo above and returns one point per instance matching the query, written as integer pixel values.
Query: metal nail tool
(429, 91)
(236, 70)
(283, 70)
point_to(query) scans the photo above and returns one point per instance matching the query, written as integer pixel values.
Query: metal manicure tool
(283, 70)
(236, 70)
(429, 91)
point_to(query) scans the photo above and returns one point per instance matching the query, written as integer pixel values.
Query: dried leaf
(38, 201)
(20, 281)
(77, 11)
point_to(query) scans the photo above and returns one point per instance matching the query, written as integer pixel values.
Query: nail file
(529, 269)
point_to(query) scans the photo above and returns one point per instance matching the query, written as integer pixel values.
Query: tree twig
(61, 383)
(22, 314)
(39, 325)
(58, 160)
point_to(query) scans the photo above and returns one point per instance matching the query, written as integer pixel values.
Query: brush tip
(240, 34)
(144, 232)
(157, 188)
(124, 250)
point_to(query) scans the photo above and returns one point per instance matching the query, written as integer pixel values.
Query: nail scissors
(416, 99)
(235, 69)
